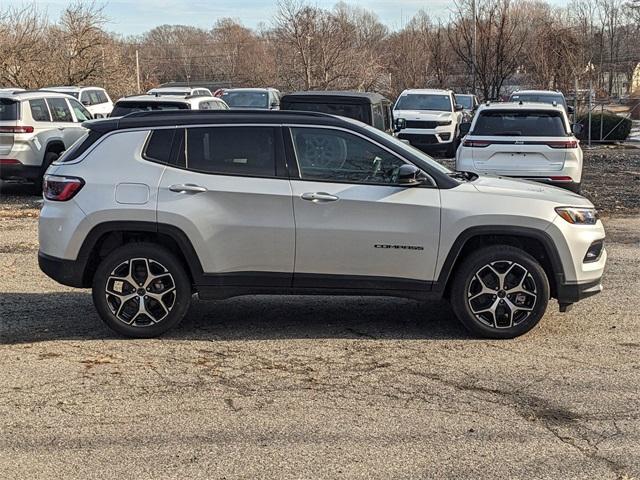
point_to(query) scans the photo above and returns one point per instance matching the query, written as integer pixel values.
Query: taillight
(22, 129)
(61, 189)
(476, 143)
(9, 161)
(563, 144)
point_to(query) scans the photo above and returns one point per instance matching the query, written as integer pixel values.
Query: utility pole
(473, 48)
(138, 70)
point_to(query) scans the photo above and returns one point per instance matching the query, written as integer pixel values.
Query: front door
(355, 226)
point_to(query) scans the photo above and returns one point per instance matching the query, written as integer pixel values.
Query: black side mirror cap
(410, 175)
(570, 109)
(458, 107)
(464, 128)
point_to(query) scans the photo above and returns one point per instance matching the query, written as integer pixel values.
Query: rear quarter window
(158, 148)
(520, 123)
(80, 146)
(9, 109)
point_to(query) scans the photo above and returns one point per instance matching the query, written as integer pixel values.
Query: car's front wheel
(141, 290)
(500, 292)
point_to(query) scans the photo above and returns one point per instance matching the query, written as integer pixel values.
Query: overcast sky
(137, 16)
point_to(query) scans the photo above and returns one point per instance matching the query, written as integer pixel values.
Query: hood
(511, 187)
(422, 115)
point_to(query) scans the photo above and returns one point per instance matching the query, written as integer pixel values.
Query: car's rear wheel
(500, 292)
(141, 290)
(49, 158)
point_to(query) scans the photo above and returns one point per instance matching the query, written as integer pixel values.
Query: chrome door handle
(187, 188)
(319, 197)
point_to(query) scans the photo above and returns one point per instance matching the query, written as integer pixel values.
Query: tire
(452, 148)
(529, 298)
(49, 158)
(165, 303)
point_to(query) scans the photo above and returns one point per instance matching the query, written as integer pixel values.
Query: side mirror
(410, 175)
(458, 107)
(399, 124)
(86, 102)
(274, 104)
(577, 128)
(570, 109)
(464, 128)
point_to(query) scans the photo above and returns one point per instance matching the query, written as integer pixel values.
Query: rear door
(230, 195)
(9, 114)
(513, 142)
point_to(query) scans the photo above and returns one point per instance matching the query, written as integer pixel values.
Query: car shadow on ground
(37, 317)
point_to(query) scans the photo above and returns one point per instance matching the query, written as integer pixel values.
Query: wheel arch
(106, 237)
(536, 242)
(55, 146)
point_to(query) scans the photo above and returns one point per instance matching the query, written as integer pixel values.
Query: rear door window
(60, 111)
(242, 151)
(39, 110)
(521, 123)
(9, 109)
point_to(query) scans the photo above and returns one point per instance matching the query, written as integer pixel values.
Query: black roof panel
(199, 117)
(323, 95)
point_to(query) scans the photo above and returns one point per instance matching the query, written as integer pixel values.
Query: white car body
(180, 91)
(289, 226)
(34, 126)
(430, 129)
(554, 157)
(136, 103)
(95, 99)
(252, 98)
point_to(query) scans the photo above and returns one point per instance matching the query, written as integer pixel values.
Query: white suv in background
(533, 141)
(35, 128)
(252, 98)
(146, 103)
(95, 99)
(180, 91)
(153, 207)
(432, 119)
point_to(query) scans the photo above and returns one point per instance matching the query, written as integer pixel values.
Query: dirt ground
(315, 387)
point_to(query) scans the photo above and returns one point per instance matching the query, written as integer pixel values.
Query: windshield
(357, 112)
(510, 123)
(246, 99)
(8, 109)
(414, 152)
(124, 108)
(421, 101)
(539, 98)
(466, 101)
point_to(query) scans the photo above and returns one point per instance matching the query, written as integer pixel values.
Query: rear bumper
(19, 172)
(66, 272)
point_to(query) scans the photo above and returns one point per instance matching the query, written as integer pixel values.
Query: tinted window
(419, 101)
(8, 109)
(378, 117)
(159, 145)
(232, 150)
(357, 112)
(510, 123)
(102, 96)
(126, 107)
(84, 98)
(80, 146)
(59, 110)
(246, 99)
(332, 155)
(82, 114)
(39, 110)
(466, 101)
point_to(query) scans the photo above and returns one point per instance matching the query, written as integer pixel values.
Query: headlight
(444, 122)
(578, 216)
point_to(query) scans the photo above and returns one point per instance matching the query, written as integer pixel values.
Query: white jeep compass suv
(35, 128)
(432, 119)
(151, 208)
(534, 141)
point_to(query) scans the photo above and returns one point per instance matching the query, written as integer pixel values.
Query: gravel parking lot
(316, 387)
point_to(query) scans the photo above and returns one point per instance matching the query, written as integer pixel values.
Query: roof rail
(225, 112)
